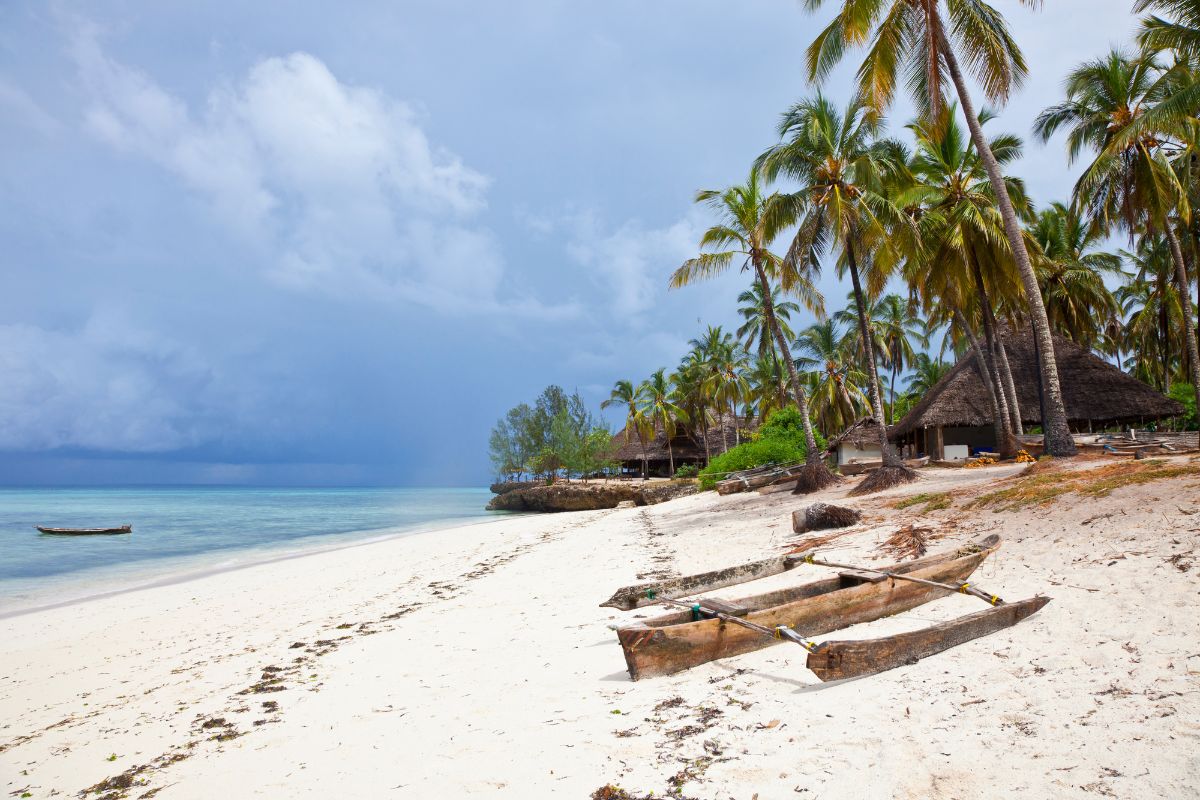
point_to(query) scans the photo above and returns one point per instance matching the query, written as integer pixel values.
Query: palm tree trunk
(1185, 303)
(1005, 442)
(810, 439)
(1010, 388)
(892, 392)
(985, 375)
(671, 455)
(888, 453)
(1056, 435)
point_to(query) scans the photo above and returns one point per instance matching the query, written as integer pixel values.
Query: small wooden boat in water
(677, 641)
(85, 531)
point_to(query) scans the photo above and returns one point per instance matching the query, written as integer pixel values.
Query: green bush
(687, 471)
(1186, 396)
(779, 441)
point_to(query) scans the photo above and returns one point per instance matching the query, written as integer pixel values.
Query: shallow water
(177, 530)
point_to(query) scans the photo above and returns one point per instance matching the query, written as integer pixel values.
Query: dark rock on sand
(653, 493)
(820, 516)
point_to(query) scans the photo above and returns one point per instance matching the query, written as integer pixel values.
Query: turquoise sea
(182, 531)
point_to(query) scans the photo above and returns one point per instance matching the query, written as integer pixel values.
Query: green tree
(750, 221)
(1130, 184)
(922, 41)
(657, 398)
(837, 399)
(844, 169)
(636, 422)
(756, 327)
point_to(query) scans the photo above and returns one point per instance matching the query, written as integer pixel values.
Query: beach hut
(858, 444)
(688, 445)
(954, 418)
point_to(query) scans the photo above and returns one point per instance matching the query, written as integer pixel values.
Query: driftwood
(822, 516)
(643, 594)
(85, 531)
(673, 642)
(833, 661)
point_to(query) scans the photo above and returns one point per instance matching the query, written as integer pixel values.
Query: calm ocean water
(181, 530)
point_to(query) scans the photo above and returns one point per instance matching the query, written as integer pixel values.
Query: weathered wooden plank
(642, 594)
(849, 659)
(861, 576)
(724, 606)
(673, 642)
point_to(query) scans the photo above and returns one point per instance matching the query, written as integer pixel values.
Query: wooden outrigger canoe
(628, 598)
(833, 661)
(85, 531)
(674, 642)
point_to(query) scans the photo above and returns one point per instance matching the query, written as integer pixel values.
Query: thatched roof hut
(1095, 393)
(688, 445)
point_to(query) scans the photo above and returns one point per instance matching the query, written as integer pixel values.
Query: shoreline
(295, 678)
(180, 573)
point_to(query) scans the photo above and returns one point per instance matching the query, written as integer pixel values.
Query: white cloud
(336, 185)
(105, 386)
(25, 110)
(631, 264)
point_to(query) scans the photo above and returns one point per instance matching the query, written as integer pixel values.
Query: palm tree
(726, 384)
(914, 37)
(623, 393)
(952, 188)
(1071, 270)
(1131, 183)
(1152, 312)
(750, 221)
(658, 401)
(899, 329)
(826, 353)
(843, 168)
(756, 329)
(926, 373)
(1181, 34)
(767, 380)
(689, 390)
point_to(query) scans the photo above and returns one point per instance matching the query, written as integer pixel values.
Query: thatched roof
(862, 434)
(687, 444)
(1093, 391)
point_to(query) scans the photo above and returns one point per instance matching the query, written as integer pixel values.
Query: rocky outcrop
(504, 487)
(821, 516)
(589, 497)
(565, 497)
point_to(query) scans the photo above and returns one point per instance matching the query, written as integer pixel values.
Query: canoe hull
(670, 643)
(851, 659)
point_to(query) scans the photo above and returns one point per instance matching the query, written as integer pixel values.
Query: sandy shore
(476, 660)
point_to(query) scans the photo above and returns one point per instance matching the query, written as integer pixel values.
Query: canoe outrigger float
(84, 531)
(709, 629)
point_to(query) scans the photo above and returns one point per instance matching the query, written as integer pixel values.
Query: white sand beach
(477, 661)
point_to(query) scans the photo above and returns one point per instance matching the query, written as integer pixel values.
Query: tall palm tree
(624, 394)
(913, 36)
(689, 389)
(767, 381)
(827, 353)
(756, 329)
(657, 398)
(1131, 183)
(1152, 312)
(1071, 270)
(843, 168)
(726, 383)
(750, 221)
(952, 188)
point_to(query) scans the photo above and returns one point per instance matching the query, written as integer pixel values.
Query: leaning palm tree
(636, 422)
(756, 330)
(658, 401)
(1130, 184)
(921, 41)
(750, 221)
(843, 170)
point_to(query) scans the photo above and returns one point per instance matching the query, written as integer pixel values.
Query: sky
(275, 244)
